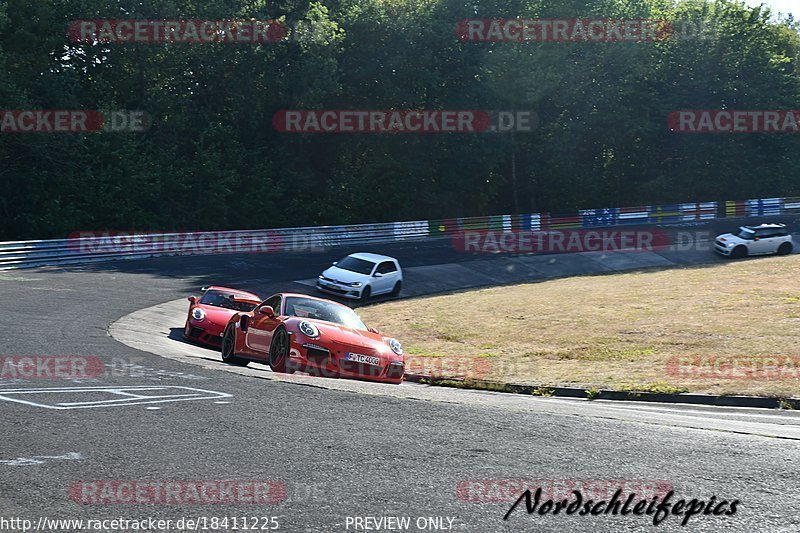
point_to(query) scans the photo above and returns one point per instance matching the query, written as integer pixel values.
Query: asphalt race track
(336, 450)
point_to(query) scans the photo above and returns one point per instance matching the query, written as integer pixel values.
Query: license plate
(366, 359)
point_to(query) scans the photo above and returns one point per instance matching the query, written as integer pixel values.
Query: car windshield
(356, 265)
(323, 310)
(226, 300)
(746, 234)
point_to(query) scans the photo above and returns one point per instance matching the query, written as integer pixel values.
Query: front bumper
(203, 332)
(722, 251)
(340, 290)
(323, 361)
(721, 247)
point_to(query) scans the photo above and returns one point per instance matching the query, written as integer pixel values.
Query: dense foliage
(212, 159)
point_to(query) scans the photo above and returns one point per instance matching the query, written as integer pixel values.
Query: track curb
(761, 402)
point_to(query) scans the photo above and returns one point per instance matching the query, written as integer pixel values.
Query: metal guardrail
(106, 246)
(94, 247)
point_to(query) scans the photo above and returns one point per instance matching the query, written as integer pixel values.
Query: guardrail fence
(93, 247)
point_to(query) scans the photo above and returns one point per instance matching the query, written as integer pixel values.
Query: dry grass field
(621, 331)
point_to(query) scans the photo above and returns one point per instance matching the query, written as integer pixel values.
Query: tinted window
(356, 265)
(225, 300)
(770, 232)
(323, 310)
(275, 303)
(386, 267)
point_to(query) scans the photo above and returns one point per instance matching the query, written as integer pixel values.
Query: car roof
(234, 291)
(766, 226)
(375, 258)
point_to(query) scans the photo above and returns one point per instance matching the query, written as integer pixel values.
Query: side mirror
(335, 263)
(373, 330)
(377, 275)
(756, 238)
(266, 310)
(192, 299)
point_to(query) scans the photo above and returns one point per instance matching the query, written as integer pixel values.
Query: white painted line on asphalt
(129, 393)
(41, 459)
(718, 411)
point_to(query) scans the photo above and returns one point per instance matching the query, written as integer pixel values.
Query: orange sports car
(292, 332)
(209, 314)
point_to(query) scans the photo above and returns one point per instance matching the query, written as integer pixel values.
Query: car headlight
(394, 344)
(308, 329)
(355, 284)
(198, 314)
(730, 245)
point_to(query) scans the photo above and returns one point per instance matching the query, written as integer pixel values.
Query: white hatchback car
(362, 275)
(755, 240)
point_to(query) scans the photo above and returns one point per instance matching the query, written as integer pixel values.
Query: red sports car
(209, 315)
(298, 332)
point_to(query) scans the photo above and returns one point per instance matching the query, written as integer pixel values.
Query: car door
(774, 238)
(766, 241)
(388, 277)
(261, 327)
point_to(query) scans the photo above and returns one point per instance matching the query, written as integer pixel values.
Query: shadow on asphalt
(176, 334)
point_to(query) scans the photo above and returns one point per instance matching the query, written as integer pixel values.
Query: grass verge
(617, 332)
